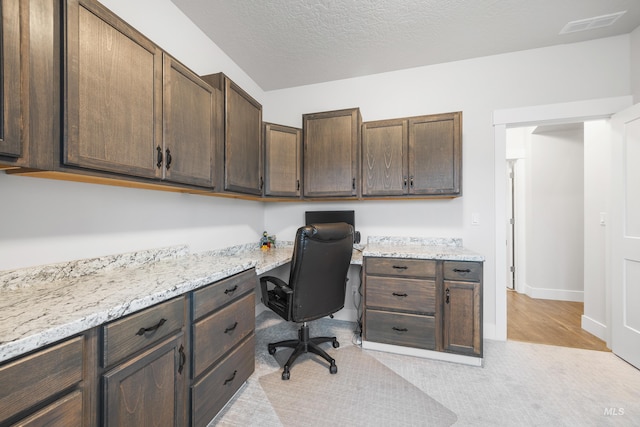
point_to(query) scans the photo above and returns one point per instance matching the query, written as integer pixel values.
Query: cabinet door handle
(298, 185)
(395, 294)
(231, 290)
(183, 359)
(143, 331)
(400, 329)
(230, 328)
(446, 298)
(159, 162)
(228, 380)
(465, 270)
(353, 184)
(404, 182)
(411, 181)
(400, 267)
(168, 158)
(261, 183)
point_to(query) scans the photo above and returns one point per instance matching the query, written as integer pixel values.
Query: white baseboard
(594, 327)
(554, 294)
(426, 354)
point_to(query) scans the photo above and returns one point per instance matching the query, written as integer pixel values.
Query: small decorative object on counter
(272, 241)
(264, 241)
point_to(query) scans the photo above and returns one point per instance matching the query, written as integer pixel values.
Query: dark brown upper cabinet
(419, 156)
(331, 153)
(242, 137)
(11, 93)
(189, 121)
(283, 160)
(113, 100)
(29, 83)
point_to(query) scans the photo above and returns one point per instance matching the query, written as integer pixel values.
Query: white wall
(582, 71)
(597, 171)
(555, 212)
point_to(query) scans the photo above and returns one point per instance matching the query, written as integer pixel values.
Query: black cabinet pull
(232, 290)
(400, 267)
(400, 329)
(411, 181)
(446, 298)
(353, 184)
(457, 270)
(168, 158)
(228, 380)
(395, 294)
(183, 359)
(261, 183)
(159, 150)
(143, 331)
(404, 182)
(231, 328)
(298, 185)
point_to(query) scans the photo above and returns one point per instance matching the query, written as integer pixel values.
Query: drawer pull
(183, 359)
(143, 331)
(231, 328)
(232, 290)
(400, 329)
(457, 270)
(446, 299)
(228, 380)
(395, 294)
(400, 267)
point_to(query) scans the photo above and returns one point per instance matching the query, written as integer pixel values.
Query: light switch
(475, 218)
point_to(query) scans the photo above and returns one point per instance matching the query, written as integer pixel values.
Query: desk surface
(42, 305)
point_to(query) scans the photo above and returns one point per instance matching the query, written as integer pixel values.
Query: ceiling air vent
(592, 23)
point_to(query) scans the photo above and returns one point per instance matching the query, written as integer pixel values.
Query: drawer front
(214, 296)
(135, 332)
(409, 330)
(463, 270)
(401, 267)
(37, 377)
(214, 335)
(214, 390)
(415, 295)
(62, 413)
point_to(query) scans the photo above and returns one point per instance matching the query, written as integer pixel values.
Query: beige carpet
(315, 397)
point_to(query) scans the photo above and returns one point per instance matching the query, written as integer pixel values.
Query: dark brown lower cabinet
(147, 390)
(44, 388)
(424, 304)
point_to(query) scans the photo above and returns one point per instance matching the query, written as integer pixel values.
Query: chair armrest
(276, 281)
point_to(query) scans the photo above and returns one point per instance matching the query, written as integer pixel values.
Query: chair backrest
(319, 267)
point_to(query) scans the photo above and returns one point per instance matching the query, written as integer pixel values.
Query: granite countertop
(42, 305)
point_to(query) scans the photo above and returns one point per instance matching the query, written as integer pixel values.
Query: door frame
(569, 112)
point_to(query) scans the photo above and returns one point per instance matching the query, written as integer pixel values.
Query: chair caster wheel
(333, 369)
(335, 344)
(272, 350)
(286, 375)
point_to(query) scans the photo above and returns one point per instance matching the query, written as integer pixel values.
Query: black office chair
(317, 284)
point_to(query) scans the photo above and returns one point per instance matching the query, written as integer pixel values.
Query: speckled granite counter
(419, 248)
(42, 305)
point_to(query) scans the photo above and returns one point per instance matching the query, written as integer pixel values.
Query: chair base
(305, 344)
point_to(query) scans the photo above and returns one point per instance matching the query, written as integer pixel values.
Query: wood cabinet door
(188, 122)
(384, 158)
(331, 153)
(147, 390)
(113, 97)
(435, 154)
(11, 89)
(243, 143)
(282, 165)
(462, 318)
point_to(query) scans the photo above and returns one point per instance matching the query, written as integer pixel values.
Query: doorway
(547, 114)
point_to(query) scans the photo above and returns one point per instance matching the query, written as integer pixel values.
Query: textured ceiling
(286, 43)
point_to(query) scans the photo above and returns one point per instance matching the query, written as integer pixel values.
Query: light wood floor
(548, 322)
